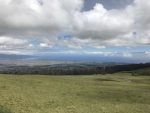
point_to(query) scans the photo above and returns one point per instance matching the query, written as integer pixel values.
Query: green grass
(145, 71)
(4, 110)
(117, 93)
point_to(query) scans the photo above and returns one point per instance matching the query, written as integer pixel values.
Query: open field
(117, 93)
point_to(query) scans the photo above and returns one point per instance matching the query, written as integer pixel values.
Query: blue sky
(108, 4)
(78, 30)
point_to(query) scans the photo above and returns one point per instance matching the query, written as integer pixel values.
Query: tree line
(71, 69)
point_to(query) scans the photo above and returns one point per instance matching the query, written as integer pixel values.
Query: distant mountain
(71, 58)
(13, 57)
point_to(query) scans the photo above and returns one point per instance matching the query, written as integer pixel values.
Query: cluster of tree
(128, 67)
(71, 69)
(61, 69)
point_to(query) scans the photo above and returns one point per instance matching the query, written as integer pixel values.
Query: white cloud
(141, 13)
(30, 17)
(147, 53)
(13, 45)
(96, 28)
(11, 41)
(115, 27)
(127, 54)
(44, 45)
(102, 24)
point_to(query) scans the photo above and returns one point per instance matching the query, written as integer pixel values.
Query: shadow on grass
(106, 79)
(4, 110)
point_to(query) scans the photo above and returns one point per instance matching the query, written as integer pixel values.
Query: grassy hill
(116, 93)
(145, 72)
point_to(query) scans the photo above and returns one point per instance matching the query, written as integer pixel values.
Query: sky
(78, 30)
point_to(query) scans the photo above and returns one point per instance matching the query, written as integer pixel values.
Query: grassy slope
(118, 93)
(145, 71)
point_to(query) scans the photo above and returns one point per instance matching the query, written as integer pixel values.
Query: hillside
(145, 71)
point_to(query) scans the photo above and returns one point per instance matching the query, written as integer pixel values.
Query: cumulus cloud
(12, 43)
(44, 45)
(129, 26)
(102, 24)
(98, 27)
(142, 18)
(34, 17)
